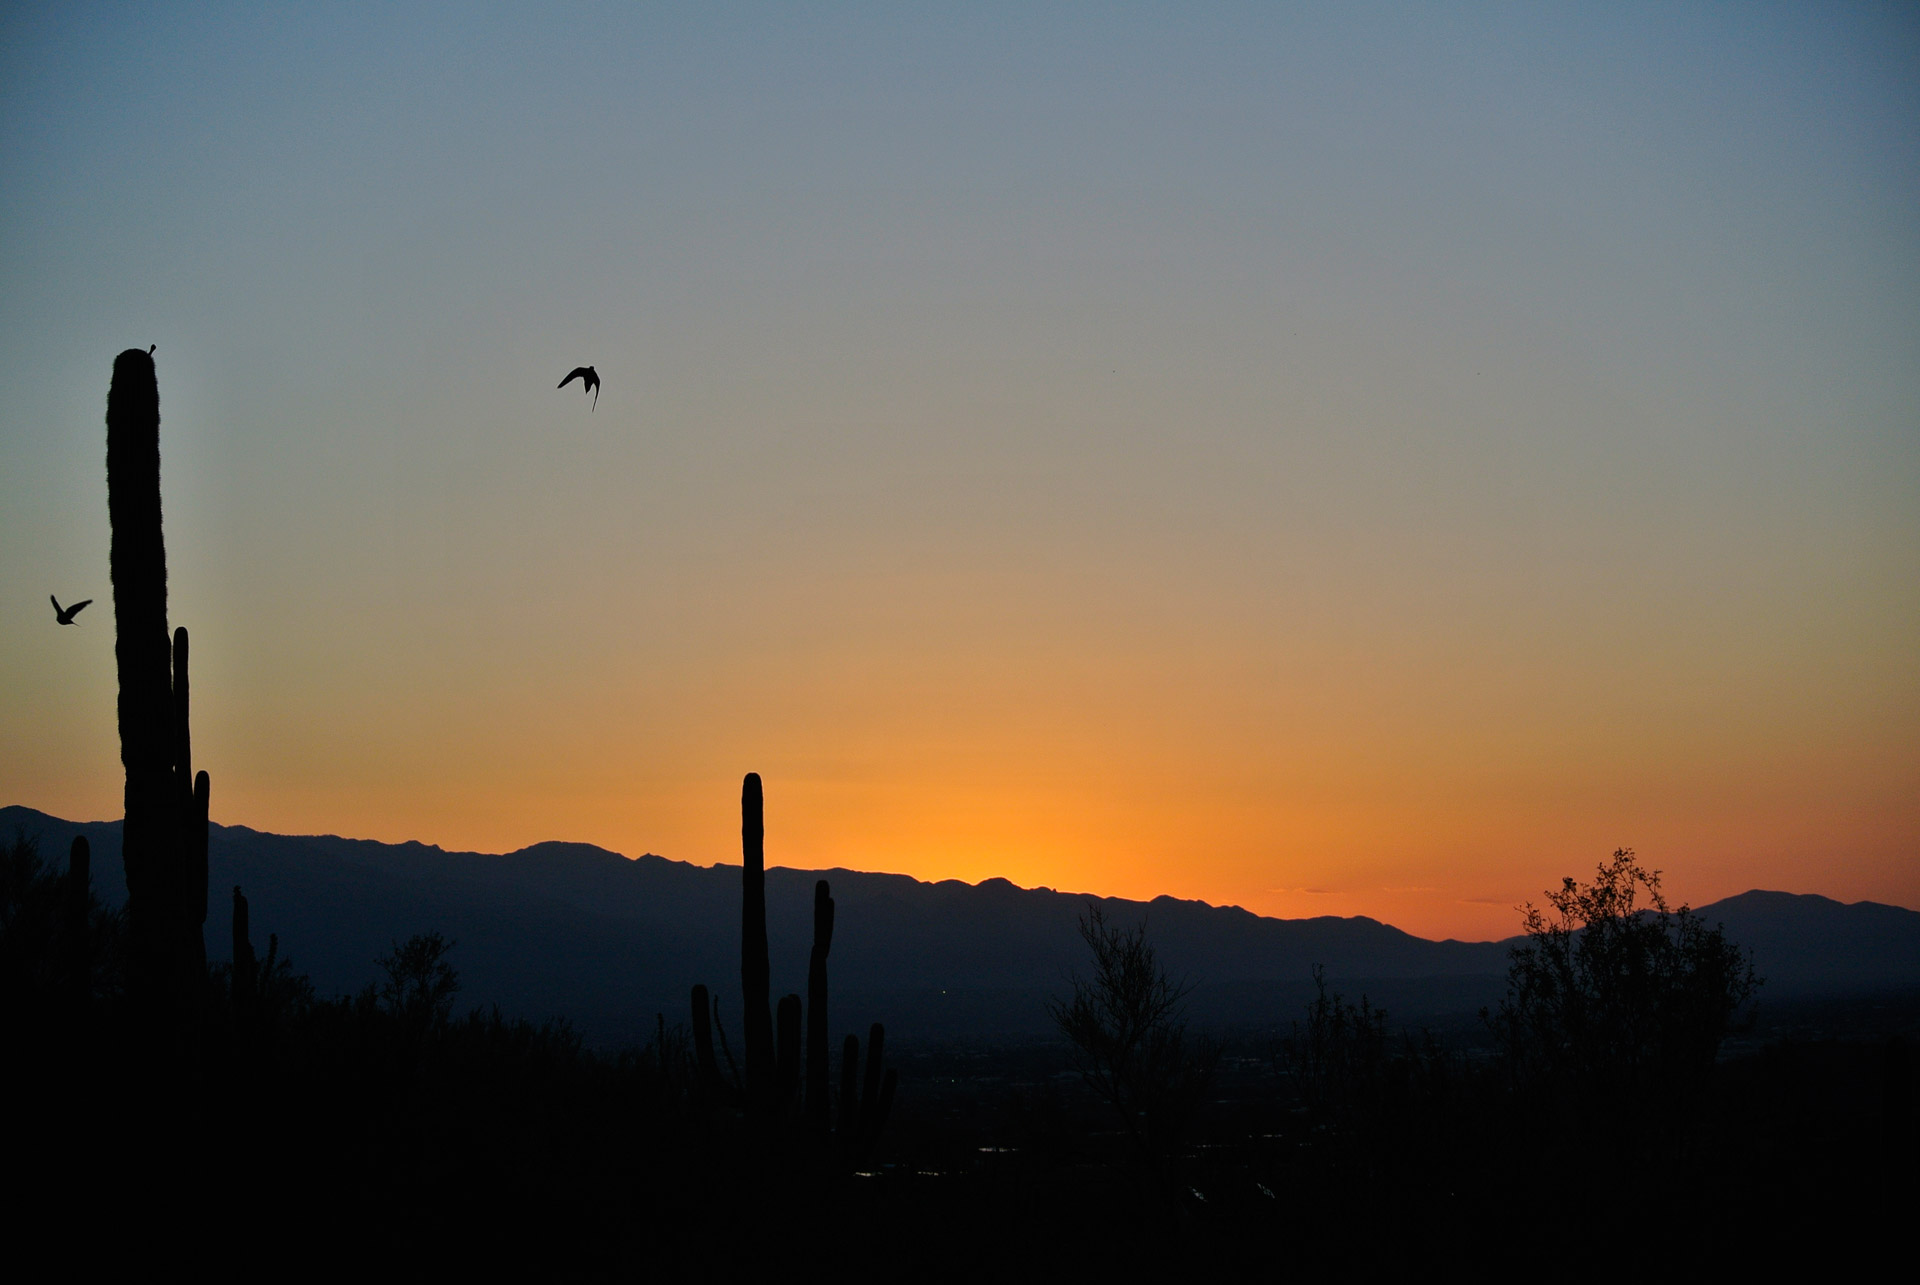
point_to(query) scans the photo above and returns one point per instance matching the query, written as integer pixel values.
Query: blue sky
(1404, 439)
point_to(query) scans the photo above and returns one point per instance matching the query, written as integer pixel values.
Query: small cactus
(754, 969)
(709, 1084)
(246, 968)
(817, 1097)
(864, 1111)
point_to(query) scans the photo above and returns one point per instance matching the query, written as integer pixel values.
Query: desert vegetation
(182, 1106)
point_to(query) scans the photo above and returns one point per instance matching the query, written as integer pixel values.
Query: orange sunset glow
(1271, 484)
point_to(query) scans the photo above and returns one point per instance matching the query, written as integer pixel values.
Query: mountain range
(571, 930)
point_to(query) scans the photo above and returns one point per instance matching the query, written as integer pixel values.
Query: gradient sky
(1355, 460)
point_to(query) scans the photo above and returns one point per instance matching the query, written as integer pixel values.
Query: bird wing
(578, 372)
(56, 604)
(74, 610)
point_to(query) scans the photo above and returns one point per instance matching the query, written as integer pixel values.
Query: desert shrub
(420, 984)
(41, 963)
(1615, 1004)
(1337, 1059)
(1127, 1026)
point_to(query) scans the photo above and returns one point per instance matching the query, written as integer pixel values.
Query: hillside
(575, 930)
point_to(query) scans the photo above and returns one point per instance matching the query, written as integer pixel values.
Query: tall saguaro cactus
(165, 837)
(754, 970)
(773, 1074)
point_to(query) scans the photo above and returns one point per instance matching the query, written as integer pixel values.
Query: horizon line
(896, 874)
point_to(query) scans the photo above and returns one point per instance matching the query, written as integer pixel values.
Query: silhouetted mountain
(1805, 944)
(568, 929)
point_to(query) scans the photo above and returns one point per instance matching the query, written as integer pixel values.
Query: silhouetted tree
(1618, 1002)
(1339, 1057)
(1128, 1028)
(420, 983)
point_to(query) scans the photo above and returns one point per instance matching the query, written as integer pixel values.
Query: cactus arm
(137, 561)
(245, 968)
(195, 794)
(182, 746)
(194, 914)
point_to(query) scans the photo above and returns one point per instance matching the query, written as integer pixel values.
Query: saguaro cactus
(817, 1099)
(863, 1111)
(707, 1070)
(164, 842)
(773, 1072)
(246, 968)
(754, 971)
(709, 1084)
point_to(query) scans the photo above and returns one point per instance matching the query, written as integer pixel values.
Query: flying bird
(589, 382)
(65, 615)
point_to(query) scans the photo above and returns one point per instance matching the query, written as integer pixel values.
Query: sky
(1330, 459)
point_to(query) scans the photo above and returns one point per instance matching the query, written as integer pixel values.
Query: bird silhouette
(65, 615)
(589, 382)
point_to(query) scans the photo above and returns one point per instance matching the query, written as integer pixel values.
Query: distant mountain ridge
(569, 929)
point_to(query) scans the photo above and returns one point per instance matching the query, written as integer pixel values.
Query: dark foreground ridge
(379, 1134)
(571, 930)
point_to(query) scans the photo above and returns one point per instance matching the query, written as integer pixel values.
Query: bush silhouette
(1128, 1027)
(1338, 1059)
(1620, 1003)
(420, 984)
